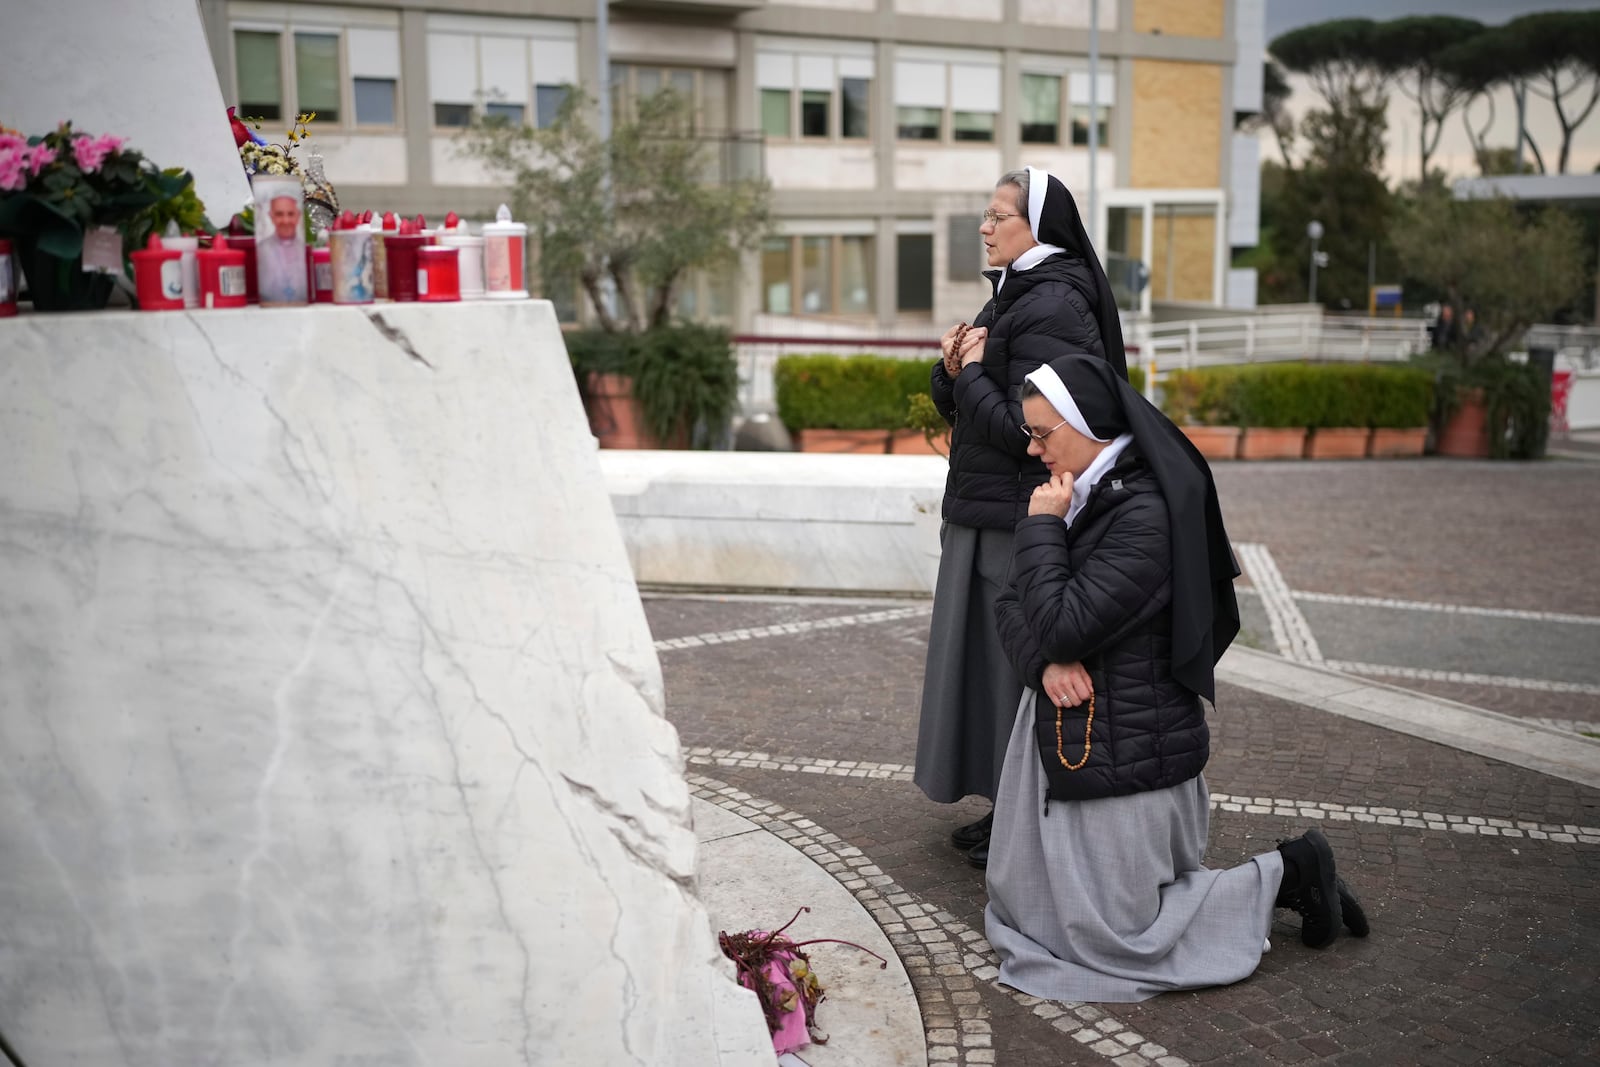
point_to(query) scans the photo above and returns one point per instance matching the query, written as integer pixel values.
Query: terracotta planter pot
(1214, 442)
(1272, 442)
(1466, 432)
(855, 441)
(1340, 442)
(1390, 443)
(914, 443)
(616, 417)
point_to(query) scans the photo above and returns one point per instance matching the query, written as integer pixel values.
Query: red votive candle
(158, 276)
(222, 277)
(321, 275)
(438, 274)
(246, 243)
(400, 250)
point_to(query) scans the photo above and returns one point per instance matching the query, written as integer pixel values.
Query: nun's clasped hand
(1067, 684)
(1053, 497)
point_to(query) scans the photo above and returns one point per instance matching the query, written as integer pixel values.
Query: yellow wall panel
(1177, 125)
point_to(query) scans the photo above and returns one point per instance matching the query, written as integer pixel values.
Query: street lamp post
(1318, 259)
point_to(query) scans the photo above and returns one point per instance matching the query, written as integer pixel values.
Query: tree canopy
(638, 209)
(1408, 50)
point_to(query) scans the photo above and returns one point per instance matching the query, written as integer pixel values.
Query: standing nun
(1120, 603)
(1050, 296)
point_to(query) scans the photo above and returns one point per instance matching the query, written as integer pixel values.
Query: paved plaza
(1472, 583)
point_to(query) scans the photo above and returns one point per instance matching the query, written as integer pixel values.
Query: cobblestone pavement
(1482, 880)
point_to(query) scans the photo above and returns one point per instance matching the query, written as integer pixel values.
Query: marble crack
(634, 839)
(395, 336)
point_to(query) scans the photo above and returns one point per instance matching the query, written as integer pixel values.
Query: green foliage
(848, 392)
(684, 376)
(1312, 395)
(923, 416)
(660, 220)
(1516, 399)
(1512, 266)
(62, 199)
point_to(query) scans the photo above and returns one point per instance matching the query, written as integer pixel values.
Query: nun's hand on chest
(972, 345)
(1053, 497)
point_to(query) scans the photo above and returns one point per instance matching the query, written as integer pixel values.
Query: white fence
(1160, 346)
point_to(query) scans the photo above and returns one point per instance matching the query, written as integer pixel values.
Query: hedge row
(827, 392)
(1311, 395)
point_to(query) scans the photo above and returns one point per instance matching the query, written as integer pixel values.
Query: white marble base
(752, 879)
(330, 722)
(779, 520)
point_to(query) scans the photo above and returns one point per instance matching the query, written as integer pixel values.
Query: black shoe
(1355, 919)
(972, 834)
(978, 855)
(1310, 887)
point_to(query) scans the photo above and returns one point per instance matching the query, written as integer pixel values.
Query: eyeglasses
(1031, 432)
(993, 217)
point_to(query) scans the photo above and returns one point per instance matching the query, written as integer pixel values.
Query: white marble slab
(779, 520)
(329, 721)
(755, 880)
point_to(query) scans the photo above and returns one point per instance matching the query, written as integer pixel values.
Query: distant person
(1119, 604)
(1049, 294)
(281, 254)
(1443, 333)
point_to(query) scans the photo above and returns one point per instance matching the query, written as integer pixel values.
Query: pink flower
(12, 172)
(90, 152)
(40, 157)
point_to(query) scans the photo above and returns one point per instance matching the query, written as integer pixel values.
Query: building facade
(881, 124)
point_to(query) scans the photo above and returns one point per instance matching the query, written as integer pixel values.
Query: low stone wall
(779, 521)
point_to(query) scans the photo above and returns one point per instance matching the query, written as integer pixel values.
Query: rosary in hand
(952, 361)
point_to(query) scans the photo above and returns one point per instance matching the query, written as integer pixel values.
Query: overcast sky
(1454, 153)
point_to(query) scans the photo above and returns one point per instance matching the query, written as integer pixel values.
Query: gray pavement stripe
(1519, 742)
(783, 629)
(1446, 609)
(1563, 833)
(1290, 630)
(943, 956)
(1384, 670)
(1577, 726)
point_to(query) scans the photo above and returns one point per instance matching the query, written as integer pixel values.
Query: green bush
(684, 376)
(1299, 394)
(824, 392)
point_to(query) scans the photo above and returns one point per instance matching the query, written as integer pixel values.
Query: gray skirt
(969, 691)
(1107, 900)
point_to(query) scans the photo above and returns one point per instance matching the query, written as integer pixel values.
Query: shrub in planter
(848, 392)
(684, 377)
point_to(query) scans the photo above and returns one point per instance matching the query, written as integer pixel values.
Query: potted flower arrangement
(56, 187)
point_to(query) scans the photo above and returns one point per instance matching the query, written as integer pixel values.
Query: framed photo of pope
(281, 272)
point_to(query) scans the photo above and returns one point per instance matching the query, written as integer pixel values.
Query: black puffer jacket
(1100, 592)
(1042, 313)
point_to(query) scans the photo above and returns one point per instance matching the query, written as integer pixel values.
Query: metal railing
(1264, 337)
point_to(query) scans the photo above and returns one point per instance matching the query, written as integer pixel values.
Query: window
(704, 88)
(259, 74)
(514, 70)
(1105, 97)
(374, 101)
(316, 67)
(855, 99)
(967, 260)
(815, 96)
(833, 275)
(938, 99)
(346, 75)
(1041, 109)
(914, 272)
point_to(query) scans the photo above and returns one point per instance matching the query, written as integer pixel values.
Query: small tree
(1501, 269)
(1512, 267)
(637, 210)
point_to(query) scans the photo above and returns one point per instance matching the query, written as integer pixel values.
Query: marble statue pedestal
(330, 722)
